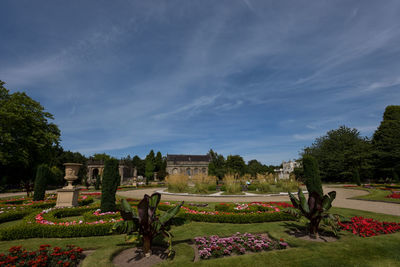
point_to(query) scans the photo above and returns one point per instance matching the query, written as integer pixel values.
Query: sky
(261, 79)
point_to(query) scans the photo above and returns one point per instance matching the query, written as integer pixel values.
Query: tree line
(344, 155)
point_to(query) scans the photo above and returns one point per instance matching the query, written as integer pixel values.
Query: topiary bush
(311, 174)
(111, 180)
(356, 178)
(43, 176)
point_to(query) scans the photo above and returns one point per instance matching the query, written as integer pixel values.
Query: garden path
(342, 199)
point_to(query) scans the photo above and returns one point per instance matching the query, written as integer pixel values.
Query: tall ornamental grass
(232, 185)
(204, 183)
(177, 183)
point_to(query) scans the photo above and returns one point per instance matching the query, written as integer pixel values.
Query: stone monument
(68, 195)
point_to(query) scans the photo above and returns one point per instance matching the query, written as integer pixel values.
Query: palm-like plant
(315, 209)
(144, 225)
(318, 204)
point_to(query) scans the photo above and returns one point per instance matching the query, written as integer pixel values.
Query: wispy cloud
(246, 78)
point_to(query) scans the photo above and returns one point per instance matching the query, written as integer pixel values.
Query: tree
(139, 164)
(340, 152)
(149, 173)
(111, 179)
(216, 167)
(356, 177)
(386, 144)
(43, 176)
(74, 157)
(100, 157)
(158, 161)
(235, 164)
(150, 166)
(27, 137)
(254, 167)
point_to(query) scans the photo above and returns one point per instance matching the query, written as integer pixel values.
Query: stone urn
(71, 173)
(68, 195)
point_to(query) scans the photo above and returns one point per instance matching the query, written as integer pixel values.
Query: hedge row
(28, 228)
(229, 207)
(34, 230)
(90, 217)
(14, 215)
(56, 214)
(237, 218)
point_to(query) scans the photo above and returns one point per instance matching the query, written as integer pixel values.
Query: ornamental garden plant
(44, 256)
(366, 227)
(315, 209)
(144, 225)
(237, 244)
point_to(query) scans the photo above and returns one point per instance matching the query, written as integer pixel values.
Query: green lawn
(349, 250)
(376, 195)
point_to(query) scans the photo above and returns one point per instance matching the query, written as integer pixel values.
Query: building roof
(189, 158)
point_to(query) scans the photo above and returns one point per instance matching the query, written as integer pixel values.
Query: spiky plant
(144, 225)
(318, 204)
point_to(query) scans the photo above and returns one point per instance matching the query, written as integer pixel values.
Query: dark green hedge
(230, 207)
(34, 230)
(28, 228)
(14, 215)
(238, 218)
(89, 217)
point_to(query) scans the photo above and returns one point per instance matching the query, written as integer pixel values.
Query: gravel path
(342, 199)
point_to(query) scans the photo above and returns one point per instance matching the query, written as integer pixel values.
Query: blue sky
(261, 79)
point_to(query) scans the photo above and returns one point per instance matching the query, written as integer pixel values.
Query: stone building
(287, 169)
(96, 167)
(188, 164)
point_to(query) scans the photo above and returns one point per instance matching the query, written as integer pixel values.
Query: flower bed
(366, 227)
(394, 195)
(52, 216)
(254, 212)
(49, 223)
(215, 246)
(97, 214)
(252, 207)
(45, 256)
(49, 202)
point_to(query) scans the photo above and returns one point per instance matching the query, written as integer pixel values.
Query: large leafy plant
(144, 225)
(315, 209)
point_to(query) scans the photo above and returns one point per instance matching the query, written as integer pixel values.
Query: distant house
(287, 169)
(188, 164)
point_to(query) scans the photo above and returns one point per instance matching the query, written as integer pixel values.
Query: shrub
(111, 180)
(43, 176)
(311, 174)
(356, 178)
(177, 182)
(97, 182)
(12, 215)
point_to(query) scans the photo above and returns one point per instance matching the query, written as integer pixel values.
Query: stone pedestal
(67, 197)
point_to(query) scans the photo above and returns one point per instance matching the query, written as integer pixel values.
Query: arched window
(204, 170)
(174, 171)
(188, 172)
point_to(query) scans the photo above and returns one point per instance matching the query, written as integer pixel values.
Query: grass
(375, 195)
(349, 250)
